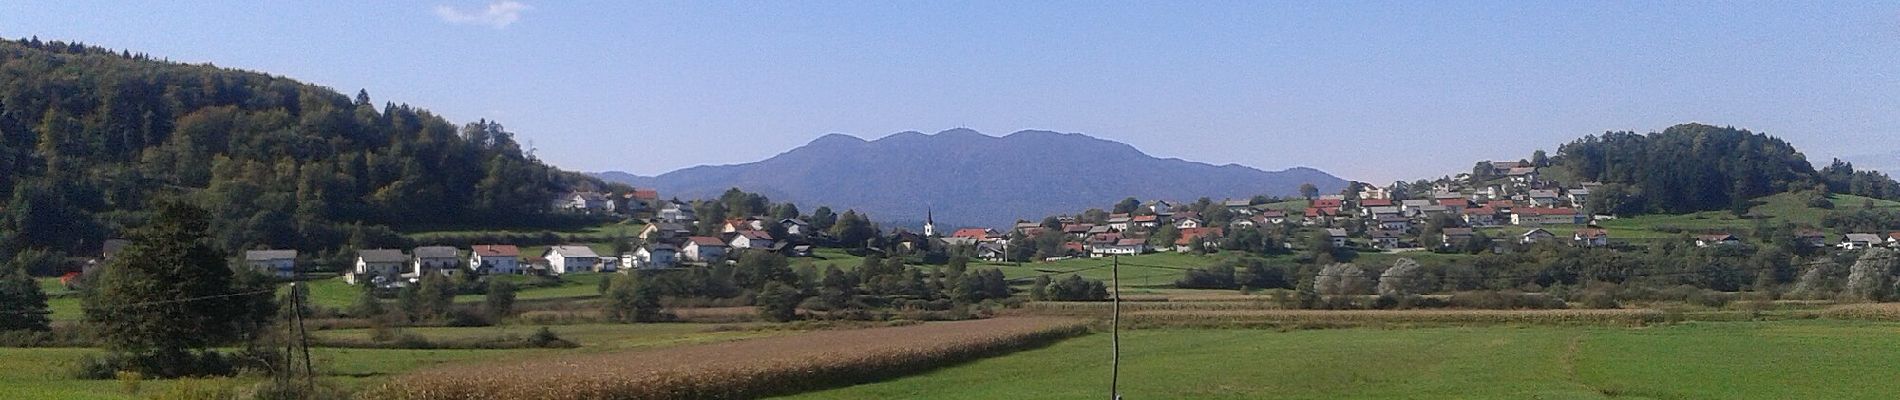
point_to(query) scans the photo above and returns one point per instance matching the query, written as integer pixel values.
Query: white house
(1717, 239)
(587, 202)
(1187, 223)
(751, 240)
(1338, 235)
(654, 256)
(795, 227)
(278, 263)
(676, 212)
(1120, 247)
(373, 265)
(662, 230)
(704, 249)
(495, 258)
(1857, 241)
(571, 259)
(1536, 235)
(1592, 237)
(1161, 207)
(433, 259)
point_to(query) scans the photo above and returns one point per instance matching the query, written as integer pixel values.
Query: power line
(153, 303)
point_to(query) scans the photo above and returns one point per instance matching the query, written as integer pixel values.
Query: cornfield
(743, 369)
(1864, 311)
(1349, 318)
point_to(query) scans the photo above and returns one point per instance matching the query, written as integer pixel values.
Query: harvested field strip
(1330, 318)
(1102, 308)
(743, 369)
(1864, 311)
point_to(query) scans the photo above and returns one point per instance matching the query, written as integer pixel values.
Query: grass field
(42, 373)
(1748, 360)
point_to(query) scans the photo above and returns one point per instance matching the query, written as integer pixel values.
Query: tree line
(91, 138)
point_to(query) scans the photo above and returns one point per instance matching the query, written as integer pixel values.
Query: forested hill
(1696, 167)
(90, 137)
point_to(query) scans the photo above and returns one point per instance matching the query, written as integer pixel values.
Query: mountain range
(963, 177)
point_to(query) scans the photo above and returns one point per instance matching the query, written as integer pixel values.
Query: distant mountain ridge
(968, 178)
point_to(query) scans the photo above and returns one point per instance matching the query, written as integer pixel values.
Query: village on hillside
(1501, 207)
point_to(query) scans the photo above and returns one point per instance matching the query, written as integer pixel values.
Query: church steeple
(930, 224)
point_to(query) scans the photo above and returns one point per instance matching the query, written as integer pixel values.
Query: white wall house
(433, 259)
(571, 259)
(655, 256)
(386, 264)
(704, 249)
(495, 258)
(751, 240)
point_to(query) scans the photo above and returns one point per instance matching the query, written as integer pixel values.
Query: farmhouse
(1481, 216)
(1338, 235)
(1209, 237)
(662, 230)
(495, 259)
(1717, 239)
(652, 256)
(676, 211)
(1592, 237)
(1545, 216)
(571, 259)
(377, 266)
(1145, 221)
(1188, 222)
(1394, 223)
(974, 233)
(443, 259)
(1124, 246)
(990, 251)
(587, 202)
(1119, 222)
(751, 240)
(278, 263)
(1535, 235)
(1452, 237)
(704, 249)
(1857, 241)
(795, 227)
(1238, 207)
(1386, 239)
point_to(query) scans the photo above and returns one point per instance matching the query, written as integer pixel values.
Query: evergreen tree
(22, 304)
(168, 295)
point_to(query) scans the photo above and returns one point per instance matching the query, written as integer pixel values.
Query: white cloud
(497, 15)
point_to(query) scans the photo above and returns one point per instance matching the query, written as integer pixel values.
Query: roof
(1273, 213)
(590, 196)
(1862, 237)
(1383, 210)
(1522, 171)
(1188, 235)
(706, 241)
(1236, 203)
(1486, 210)
(1537, 231)
(1144, 218)
(1579, 191)
(1393, 218)
(1105, 237)
(1535, 211)
(573, 251)
(1077, 228)
(1592, 233)
(1543, 193)
(1336, 232)
(269, 255)
(1716, 237)
(972, 233)
(1375, 202)
(755, 235)
(1130, 242)
(436, 252)
(646, 194)
(382, 256)
(1415, 203)
(496, 250)
(1461, 202)
(1893, 236)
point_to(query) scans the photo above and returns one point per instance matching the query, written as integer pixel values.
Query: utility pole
(1115, 333)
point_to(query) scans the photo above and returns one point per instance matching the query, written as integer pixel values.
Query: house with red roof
(495, 258)
(1592, 237)
(974, 233)
(1545, 216)
(1207, 236)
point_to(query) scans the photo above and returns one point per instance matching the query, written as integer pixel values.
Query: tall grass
(744, 369)
(1863, 311)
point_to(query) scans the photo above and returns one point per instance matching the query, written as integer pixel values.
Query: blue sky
(1368, 90)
